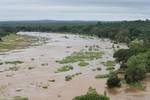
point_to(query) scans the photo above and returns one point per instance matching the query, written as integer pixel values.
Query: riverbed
(36, 77)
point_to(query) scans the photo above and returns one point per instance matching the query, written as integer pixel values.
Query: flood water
(39, 67)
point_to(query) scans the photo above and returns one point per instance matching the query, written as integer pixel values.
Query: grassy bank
(14, 41)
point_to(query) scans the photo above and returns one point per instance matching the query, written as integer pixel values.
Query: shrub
(45, 87)
(68, 78)
(98, 68)
(113, 80)
(1, 63)
(91, 95)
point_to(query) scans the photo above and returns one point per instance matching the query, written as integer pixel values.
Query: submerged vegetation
(65, 68)
(102, 76)
(92, 95)
(69, 77)
(13, 62)
(13, 41)
(134, 61)
(83, 64)
(81, 56)
(110, 65)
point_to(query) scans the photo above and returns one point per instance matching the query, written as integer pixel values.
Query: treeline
(6, 31)
(124, 31)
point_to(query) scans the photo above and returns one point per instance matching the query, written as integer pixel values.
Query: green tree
(136, 68)
(123, 36)
(123, 55)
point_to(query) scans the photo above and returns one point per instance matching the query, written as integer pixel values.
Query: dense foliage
(123, 31)
(136, 69)
(113, 80)
(92, 95)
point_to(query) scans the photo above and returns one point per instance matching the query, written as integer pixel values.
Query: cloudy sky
(74, 9)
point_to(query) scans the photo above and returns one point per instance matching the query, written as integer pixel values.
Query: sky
(102, 10)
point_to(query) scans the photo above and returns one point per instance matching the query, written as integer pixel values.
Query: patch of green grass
(86, 37)
(20, 98)
(102, 76)
(138, 85)
(109, 63)
(110, 68)
(83, 63)
(14, 41)
(65, 68)
(69, 77)
(13, 62)
(81, 56)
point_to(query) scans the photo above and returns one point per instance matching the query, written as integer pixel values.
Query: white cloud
(74, 9)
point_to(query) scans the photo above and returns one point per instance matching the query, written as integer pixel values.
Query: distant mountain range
(49, 22)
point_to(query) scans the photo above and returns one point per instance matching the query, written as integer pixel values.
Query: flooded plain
(33, 72)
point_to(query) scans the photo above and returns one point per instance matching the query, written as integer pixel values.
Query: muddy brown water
(32, 79)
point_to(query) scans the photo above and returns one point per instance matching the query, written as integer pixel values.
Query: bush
(113, 80)
(68, 78)
(92, 95)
